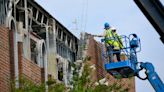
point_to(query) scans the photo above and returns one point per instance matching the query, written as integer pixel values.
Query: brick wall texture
(32, 71)
(27, 68)
(4, 60)
(94, 51)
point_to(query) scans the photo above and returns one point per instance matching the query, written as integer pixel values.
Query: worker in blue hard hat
(113, 41)
(106, 25)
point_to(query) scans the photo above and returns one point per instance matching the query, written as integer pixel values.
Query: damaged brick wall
(26, 67)
(94, 51)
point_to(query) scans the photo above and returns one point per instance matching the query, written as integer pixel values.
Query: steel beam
(154, 11)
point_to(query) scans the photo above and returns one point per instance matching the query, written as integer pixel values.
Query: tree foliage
(81, 83)
(84, 84)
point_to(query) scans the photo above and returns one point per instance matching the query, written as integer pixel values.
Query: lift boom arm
(152, 76)
(154, 11)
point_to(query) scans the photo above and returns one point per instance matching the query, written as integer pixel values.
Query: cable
(84, 15)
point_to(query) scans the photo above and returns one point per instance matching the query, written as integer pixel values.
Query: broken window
(65, 52)
(20, 16)
(71, 56)
(39, 17)
(62, 51)
(33, 51)
(34, 12)
(69, 41)
(72, 45)
(59, 33)
(57, 47)
(45, 20)
(60, 70)
(43, 55)
(56, 30)
(69, 72)
(64, 37)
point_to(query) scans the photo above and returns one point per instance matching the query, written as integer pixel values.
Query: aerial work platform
(123, 69)
(126, 68)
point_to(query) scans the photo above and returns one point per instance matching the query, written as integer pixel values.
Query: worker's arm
(100, 35)
(97, 35)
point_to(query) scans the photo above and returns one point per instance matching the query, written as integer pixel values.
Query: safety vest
(113, 39)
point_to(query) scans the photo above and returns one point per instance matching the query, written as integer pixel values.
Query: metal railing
(127, 49)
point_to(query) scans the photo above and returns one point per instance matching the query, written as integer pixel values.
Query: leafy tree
(84, 84)
(81, 83)
(27, 86)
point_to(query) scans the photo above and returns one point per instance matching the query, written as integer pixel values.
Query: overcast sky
(91, 15)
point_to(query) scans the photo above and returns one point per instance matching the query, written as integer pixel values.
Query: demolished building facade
(39, 46)
(36, 45)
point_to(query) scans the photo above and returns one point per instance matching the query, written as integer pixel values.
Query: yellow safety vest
(113, 39)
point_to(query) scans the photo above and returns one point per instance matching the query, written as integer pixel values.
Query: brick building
(36, 45)
(33, 44)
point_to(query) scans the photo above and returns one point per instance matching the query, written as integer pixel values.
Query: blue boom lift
(131, 67)
(154, 11)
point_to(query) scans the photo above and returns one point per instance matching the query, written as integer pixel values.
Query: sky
(90, 16)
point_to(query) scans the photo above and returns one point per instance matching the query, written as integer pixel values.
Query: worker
(116, 43)
(113, 42)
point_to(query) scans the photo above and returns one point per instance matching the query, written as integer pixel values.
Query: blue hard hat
(106, 25)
